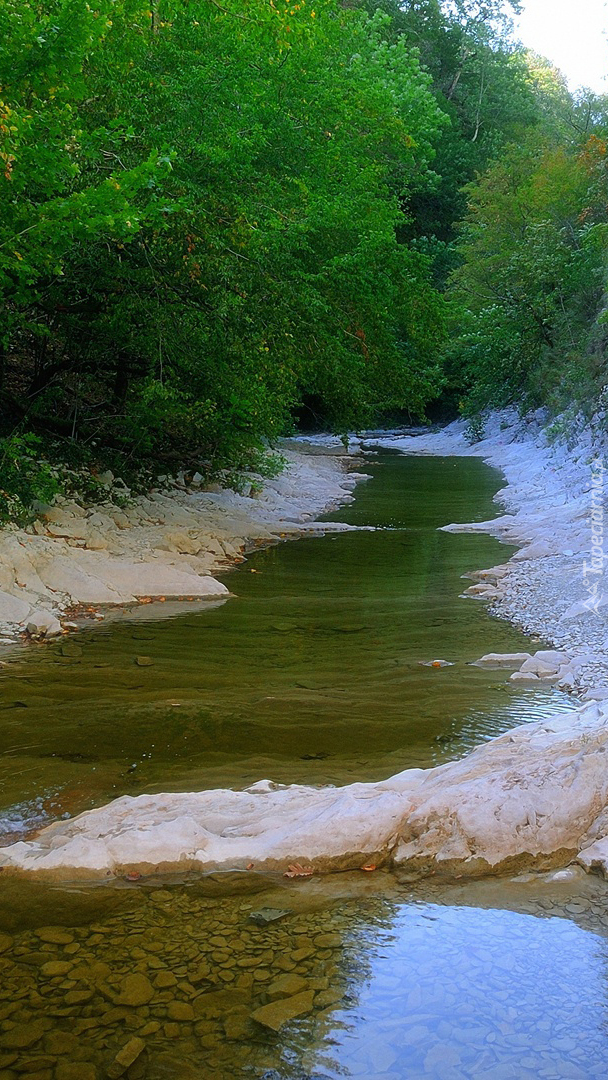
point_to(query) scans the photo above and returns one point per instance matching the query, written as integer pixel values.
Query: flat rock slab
(502, 660)
(537, 795)
(278, 1013)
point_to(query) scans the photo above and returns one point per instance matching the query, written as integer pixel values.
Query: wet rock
(237, 1024)
(6, 942)
(35, 1064)
(71, 650)
(55, 935)
(278, 1013)
(328, 941)
(144, 661)
(76, 1070)
(79, 997)
(22, 1036)
(56, 967)
(135, 990)
(125, 1057)
(287, 985)
(215, 1004)
(266, 915)
(150, 1029)
(164, 979)
(180, 1010)
(60, 1043)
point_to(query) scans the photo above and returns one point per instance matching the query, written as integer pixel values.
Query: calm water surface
(312, 673)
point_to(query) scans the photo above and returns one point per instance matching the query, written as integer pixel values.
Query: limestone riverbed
(372, 973)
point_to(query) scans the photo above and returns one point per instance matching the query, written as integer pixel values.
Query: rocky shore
(534, 797)
(552, 507)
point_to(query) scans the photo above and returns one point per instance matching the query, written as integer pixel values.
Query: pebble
(56, 935)
(180, 1010)
(286, 986)
(125, 1057)
(135, 990)
(56, 967)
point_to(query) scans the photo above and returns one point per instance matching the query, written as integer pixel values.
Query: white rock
(535, 795)
(552, 657)
(534, 666)
(13, 609)
(43, 624)
(502, 660)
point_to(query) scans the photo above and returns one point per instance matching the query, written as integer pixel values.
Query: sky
(573, 34)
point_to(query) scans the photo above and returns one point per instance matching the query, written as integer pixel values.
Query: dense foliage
(198, 223)
(530, 294)
(218, 217)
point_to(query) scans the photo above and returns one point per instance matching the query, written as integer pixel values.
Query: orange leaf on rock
(297, 870)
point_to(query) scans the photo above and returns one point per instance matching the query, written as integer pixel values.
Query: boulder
(43, 624)
(135, 989)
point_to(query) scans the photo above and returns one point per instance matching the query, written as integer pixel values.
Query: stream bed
(314, 673)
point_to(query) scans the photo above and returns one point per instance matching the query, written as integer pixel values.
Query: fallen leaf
(369, 867)
(132, 876)
(250, 866)
(297, 870)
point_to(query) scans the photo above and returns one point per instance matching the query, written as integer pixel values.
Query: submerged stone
(266, 915)
(135, 990)
(22, 1036)
(125, 1058)
(55, 935)
(287, 985)
(280, 1012)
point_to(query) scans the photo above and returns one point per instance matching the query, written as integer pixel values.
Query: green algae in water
(311, 674)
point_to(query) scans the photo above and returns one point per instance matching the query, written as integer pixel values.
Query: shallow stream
(313, 673)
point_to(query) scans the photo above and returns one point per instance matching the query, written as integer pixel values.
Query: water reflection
(457, 992)
(239, 977)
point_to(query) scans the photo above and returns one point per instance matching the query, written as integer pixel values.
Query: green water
(311, 674)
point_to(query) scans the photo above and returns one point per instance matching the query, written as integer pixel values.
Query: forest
(220, 222)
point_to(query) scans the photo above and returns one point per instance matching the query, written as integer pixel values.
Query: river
(316, 672)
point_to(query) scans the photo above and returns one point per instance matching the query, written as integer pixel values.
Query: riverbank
(552, 508)
(536, 797)
(168, 544)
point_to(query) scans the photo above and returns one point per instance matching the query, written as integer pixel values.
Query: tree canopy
(218, 217)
